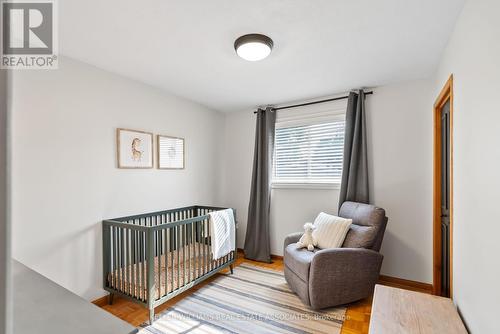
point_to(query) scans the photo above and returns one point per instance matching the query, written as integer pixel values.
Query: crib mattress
(168, 276)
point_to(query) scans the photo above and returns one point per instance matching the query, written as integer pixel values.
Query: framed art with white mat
(134, 148)
(170, 152)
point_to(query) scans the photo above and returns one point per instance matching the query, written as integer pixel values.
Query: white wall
(65, 179)
(239, 136)
(5, 309)
(473, 55)
(399, 119)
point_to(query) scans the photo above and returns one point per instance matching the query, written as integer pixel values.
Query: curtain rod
(316, 102)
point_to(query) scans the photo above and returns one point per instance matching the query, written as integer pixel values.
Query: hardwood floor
(357, 316)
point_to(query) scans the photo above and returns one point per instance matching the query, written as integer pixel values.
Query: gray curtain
(354, 186)
(257, 242)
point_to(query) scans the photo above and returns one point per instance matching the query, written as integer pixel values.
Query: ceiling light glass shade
(253, 47)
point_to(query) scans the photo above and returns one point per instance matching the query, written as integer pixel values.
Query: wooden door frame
(445, 95)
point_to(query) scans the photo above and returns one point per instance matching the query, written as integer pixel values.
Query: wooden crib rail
(193, 208)
(157, 213)
(119, 224)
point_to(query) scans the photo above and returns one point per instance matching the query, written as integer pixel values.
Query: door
(445, 199)
(443, 192)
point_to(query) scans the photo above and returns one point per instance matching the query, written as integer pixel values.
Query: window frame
(303, 119)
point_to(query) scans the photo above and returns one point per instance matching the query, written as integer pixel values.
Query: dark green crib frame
(130, 243)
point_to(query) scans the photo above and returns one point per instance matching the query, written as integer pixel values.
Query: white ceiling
(322, 47)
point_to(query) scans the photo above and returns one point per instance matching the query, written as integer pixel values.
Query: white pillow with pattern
(330, 230)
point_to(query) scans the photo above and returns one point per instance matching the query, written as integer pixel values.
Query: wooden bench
(401, 311)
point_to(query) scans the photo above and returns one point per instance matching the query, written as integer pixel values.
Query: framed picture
(170, 152)
(135, 148)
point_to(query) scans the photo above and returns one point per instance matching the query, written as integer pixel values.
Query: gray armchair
(330, 277)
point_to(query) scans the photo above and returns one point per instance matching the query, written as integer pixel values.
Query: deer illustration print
(136, 149)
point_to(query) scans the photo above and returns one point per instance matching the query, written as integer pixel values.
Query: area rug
(252, 300)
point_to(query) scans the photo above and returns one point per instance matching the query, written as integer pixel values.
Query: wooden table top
(42, 307)
(401, 311)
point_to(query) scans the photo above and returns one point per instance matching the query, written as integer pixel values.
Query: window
(309, 150)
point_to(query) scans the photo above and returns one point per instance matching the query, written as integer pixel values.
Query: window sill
(290, 185)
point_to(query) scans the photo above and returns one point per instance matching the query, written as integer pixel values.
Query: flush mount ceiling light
(253, 47)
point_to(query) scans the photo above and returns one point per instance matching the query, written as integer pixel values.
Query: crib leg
(231, 268)
(110, 298)
(151, 315)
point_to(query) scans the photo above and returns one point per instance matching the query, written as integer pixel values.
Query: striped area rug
(252, 300)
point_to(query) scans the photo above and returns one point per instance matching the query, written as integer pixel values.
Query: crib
(151, 258)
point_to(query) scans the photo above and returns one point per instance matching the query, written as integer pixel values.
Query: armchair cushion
(368, 225)
(360, 237)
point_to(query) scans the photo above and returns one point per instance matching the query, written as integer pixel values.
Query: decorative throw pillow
(330, 230)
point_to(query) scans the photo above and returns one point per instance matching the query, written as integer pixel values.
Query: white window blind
(310, 150)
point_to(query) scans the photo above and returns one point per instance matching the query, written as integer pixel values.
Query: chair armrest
(292, 238)
(343, 275)
(354, 256)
